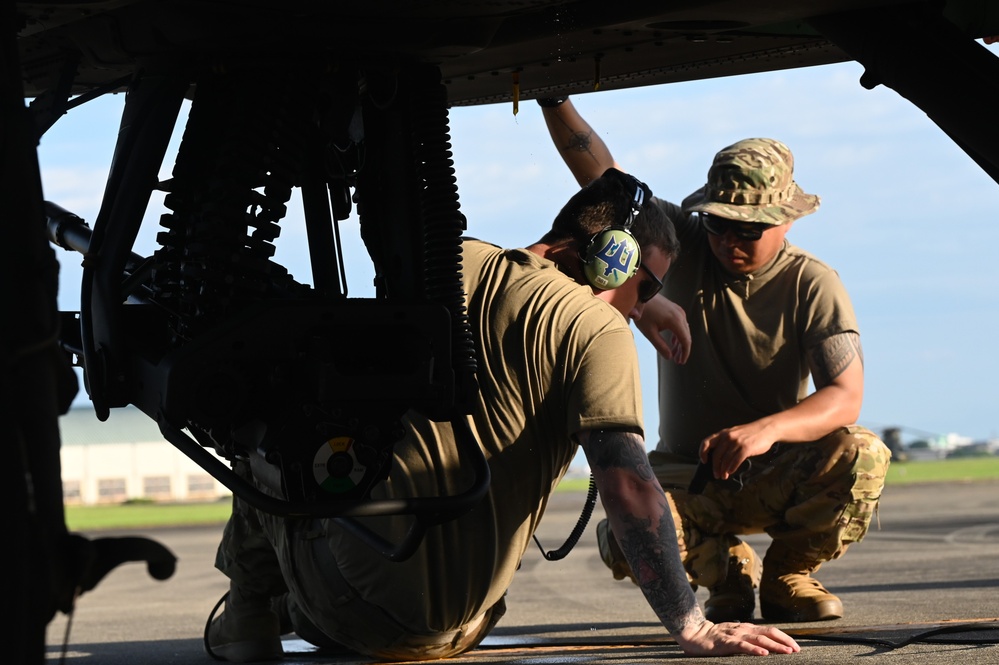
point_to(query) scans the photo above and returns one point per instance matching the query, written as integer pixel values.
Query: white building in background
(126, 457)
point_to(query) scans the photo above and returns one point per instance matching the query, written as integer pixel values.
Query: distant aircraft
(345, 104)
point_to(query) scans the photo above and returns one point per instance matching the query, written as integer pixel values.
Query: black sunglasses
(647, 290)
(718, 226)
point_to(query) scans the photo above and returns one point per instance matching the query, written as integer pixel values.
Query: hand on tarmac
(725, 639)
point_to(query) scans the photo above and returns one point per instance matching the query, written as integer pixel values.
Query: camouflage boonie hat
(751, 181)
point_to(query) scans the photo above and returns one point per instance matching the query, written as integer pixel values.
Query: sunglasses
(718, 226)
(647, 290)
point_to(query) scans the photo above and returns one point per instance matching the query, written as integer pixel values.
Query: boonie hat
(752, 181)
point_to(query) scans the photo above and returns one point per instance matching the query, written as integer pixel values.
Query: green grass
(961, 469)
(143, 515)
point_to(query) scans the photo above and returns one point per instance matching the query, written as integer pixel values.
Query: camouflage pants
(270, 556)
(816, 497)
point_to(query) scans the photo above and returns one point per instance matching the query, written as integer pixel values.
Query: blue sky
(907, 219)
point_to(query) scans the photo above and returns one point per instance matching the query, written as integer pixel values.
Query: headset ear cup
(611, 258)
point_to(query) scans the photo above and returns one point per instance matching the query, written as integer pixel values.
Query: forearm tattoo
(579, 142)
(649, 543)
(655, 560)
(832, 357)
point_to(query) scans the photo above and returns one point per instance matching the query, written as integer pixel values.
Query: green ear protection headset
(612, 256)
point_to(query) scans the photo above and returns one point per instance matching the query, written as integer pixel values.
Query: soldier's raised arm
(582, 149)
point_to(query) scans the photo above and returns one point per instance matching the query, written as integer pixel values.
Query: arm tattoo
(621, 450)
(660, 572)
(579, 141)
(649, 540)
(833, 355)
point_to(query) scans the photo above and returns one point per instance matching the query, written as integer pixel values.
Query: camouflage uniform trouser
(269, 556)
(817, 498)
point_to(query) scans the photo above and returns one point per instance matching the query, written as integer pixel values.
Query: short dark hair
(606, 202)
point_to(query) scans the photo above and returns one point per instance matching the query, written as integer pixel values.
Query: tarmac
(922, 588)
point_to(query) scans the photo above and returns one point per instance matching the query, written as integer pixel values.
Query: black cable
(921, 637)
(577, 531)
(208, 625)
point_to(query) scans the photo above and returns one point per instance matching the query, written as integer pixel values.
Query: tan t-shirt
(552, 361)
(749, 334)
